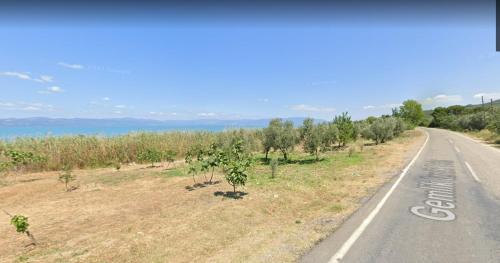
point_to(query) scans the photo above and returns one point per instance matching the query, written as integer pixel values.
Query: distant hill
(496, 103)
(68, 122)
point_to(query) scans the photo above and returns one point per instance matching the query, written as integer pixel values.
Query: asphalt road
(445, 208)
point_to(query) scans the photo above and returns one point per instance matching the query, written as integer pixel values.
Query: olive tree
(380, 130)
(287, 138)
(313, 136)
(270, 135)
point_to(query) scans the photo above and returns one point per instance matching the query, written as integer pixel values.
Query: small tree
(270, 136)
(274, 167)
(21, 224)
(66, 177)
(411, 111)
(287, 138)
(169, 156)
(193, 170)
(215, 158)
(346, 128)
(313, 136)
(237, 165)
(151, 156)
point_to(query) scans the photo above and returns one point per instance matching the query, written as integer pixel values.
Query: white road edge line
(456, 149)
(361, 228)
(472, 172)
(450, 141)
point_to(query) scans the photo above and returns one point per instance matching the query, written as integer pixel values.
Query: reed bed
(98, 151)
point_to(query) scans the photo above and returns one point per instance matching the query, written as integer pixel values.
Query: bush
(66, 177)
(169, 156)
(345, 127)
(237, 165)
(274, 167)
(21, 224)
(494, 122)
(383, 129)
(151, 156)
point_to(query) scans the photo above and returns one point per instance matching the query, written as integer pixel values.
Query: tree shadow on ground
(200, 185)
(151, 167)
(304, 161)
(231, 194)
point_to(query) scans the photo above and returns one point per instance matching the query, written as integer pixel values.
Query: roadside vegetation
(480, 121)
(320, 161)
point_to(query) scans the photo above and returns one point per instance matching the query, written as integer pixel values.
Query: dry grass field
(141, 214)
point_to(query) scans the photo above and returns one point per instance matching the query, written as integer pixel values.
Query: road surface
(444, 208)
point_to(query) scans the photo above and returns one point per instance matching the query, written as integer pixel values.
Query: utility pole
(482, 101)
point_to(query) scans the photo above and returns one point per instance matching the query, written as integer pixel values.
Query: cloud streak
(310, 108)
(70, 66)
(27, 76)
(488, 96)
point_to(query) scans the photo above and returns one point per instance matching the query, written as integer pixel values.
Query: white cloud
(309, 108)
(488, 96)
(71, 66)
(382, 107)
(106, 99)
(26, 106)
(27, 76)
(46, 78)
(442, 99)
(120, 106)
(19, 75)
(51, 90)
(264, 100)
(117, 112)
(206, 114)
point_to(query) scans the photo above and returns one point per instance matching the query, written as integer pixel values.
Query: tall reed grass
(95, 151)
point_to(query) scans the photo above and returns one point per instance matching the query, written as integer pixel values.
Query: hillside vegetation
(482, 120)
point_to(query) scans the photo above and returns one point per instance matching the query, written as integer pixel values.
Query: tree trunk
(211, 177)
(33, 240)
(285, 155)
(234, 188)
(267, 152)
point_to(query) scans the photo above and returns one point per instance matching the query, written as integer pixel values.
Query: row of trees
(283, 137)
(234, 161)
(461, 118)
(316, 138)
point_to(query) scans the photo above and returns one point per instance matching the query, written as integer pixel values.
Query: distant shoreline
(11, 129)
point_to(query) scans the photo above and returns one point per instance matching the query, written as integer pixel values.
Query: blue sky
(225, 71)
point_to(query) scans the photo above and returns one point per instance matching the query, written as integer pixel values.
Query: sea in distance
(42, 127)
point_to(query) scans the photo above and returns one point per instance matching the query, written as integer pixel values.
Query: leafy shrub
(151, 156)
(383, 129)
(345, 127)
(494, 123)
(236, 168)
(274, 163)
(67, 177)
(21, 224)
(169, 156)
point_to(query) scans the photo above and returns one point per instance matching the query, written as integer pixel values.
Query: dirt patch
(152, 215)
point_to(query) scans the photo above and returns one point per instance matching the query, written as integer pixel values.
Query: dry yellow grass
(147, 215)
